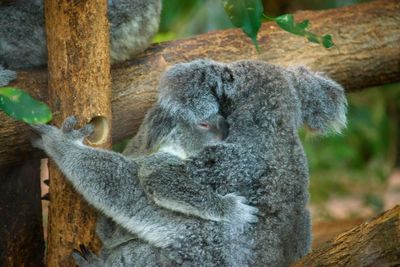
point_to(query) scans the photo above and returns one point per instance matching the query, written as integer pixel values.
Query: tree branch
(373, 243)
(367, 38)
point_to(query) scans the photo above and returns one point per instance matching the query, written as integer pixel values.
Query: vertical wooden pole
(79, 84)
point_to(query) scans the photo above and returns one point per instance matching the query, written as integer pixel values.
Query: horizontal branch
(367, 38)
(373, 243)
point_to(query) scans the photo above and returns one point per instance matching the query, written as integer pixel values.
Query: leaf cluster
(248, 15)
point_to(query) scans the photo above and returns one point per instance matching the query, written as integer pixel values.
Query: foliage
(287, 23)
(181, 19)
(247, 15)
(186, 18)
(21, 106)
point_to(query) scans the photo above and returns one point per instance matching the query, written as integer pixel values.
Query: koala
(151, 200)
(262, 159)
(168, 141)
(22, 34)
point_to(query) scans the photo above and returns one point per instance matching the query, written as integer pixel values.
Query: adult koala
(262, 159)
(22, 34)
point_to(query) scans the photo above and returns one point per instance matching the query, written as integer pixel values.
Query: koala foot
(6, 76)
(85, 258)
(238, 212)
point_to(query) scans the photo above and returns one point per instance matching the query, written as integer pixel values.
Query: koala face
(208, 132)
(195, 95)
(187, 138)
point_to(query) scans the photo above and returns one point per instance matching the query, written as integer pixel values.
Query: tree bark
(367, 38)
(79, 84)
(373, 243)
(326, 230)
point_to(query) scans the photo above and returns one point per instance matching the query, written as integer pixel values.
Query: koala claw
(68, 128)
(85, 258)
(87, 130)
(69, 124)
(239, 211)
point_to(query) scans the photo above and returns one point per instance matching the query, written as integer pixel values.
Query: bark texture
(79, 84)
(367, 38)
(326, 230)
(373, 243)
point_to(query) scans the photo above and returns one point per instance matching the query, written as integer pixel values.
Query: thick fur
(135, 177)
(262, 160)
(23, 42)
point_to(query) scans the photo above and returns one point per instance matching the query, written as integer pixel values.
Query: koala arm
(109, 181)
(97, 174)
(166, 181)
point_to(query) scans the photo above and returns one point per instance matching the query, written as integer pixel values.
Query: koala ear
(323, 102)
(190, 90)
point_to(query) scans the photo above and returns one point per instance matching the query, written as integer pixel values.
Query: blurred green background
(350, 173)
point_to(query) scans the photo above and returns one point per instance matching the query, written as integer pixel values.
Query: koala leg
(85, 258)
(135, 253)
(110, 233)
(300, 244)
(6, 76)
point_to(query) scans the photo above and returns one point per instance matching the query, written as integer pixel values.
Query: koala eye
(204, 125)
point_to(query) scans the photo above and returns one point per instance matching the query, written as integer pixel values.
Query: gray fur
(262, 160)
(6, 76)
(22, 36)
(160, 228)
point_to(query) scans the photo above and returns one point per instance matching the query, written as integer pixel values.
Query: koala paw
(68, 129)
(6, 76)
(238, 211)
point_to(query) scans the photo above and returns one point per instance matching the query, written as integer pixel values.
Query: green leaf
(327, 41)
(21, 106)
(287, 23)
(304, 24)
(245, 14)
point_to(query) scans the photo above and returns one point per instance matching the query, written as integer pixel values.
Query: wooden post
(79, 84)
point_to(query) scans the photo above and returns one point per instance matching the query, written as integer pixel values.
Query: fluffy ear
(193, 90)
(323, 102)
